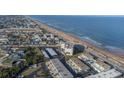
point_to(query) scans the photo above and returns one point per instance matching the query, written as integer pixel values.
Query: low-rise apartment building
(77, 66)
(57, 69)
(112, 73)
(97, 65)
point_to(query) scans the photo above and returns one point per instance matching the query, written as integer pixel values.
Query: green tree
(14, 71)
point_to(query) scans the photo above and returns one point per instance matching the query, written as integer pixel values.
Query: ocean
(105, 31)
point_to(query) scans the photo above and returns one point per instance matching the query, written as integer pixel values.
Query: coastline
(70, 37)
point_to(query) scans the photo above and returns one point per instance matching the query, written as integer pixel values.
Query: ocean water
(107, 31)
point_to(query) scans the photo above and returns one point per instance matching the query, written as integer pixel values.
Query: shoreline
(119, 51)
(74, 39)
(82, 35)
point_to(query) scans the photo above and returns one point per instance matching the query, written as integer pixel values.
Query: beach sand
(69, 37)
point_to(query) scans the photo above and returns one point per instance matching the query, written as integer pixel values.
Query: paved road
(21, 46)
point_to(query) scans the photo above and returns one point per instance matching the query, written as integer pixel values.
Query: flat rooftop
(80, 64)
(45, 54)
(103, 64)
(62, 70)
(51, 51)
(108, 74)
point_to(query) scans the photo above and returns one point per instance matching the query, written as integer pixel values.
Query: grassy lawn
(39, 72)
(38, 51)
(1, 55)
(29, 71)
(7, 62)
(42, 74)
